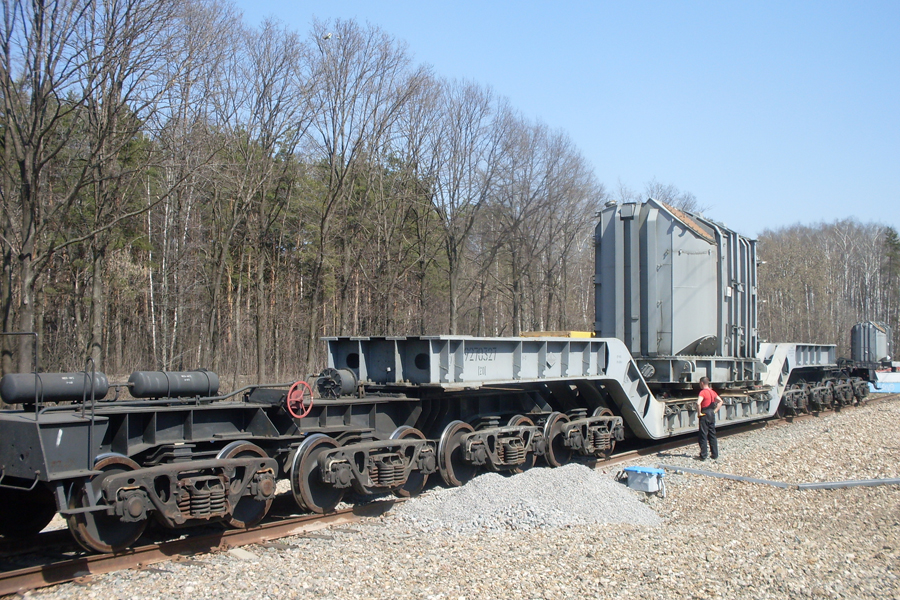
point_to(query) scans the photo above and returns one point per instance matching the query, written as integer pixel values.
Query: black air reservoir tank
(173, 384)
(22, 388)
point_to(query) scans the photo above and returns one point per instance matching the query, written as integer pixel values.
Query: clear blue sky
(771, 113)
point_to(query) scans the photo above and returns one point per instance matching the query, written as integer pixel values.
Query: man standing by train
(708, 404)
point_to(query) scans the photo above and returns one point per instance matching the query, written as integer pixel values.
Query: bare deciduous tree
(816, 282)
(202, 39)
(42, 62)
(362, 82)
(463, 159)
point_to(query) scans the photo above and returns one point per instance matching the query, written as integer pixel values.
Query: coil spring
(511, 452)
(600, 440)
(217, 501)
(202, 500)
(821, 397)
(386, 473)
(184, 504)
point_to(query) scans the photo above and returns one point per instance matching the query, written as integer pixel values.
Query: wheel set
(109, 511)
(831, 394)
(98, 530)
(556, 438)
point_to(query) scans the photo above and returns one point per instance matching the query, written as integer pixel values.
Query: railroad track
(82, 566)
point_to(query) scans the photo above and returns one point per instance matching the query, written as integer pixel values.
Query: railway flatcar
(676, 301)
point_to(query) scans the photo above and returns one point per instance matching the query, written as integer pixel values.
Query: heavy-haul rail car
(681, 292)
(675, 302)
(178, 453)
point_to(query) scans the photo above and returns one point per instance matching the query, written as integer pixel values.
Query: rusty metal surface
(19, 581)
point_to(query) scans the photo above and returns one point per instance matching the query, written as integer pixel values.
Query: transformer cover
(671, 283)
(871, 342)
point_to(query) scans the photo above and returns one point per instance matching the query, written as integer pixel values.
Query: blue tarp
(884, 387)
(886, 383)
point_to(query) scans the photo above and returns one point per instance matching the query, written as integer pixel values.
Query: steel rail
(681, 442)
(21, 580)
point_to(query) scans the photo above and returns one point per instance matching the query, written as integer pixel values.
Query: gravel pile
(538, 498)
(716, 539)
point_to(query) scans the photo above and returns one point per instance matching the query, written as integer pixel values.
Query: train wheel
(805, 409)
(602, 411)
(830, 396)
(861, 391)
(454, 469)
(34, 509)
(248, 511)
(310, 492)
(416, 481)
(847, 392)
(529, 457)
(781, 411)
(558, 454)
(98, 531)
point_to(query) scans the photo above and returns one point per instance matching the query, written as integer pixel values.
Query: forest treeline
(817, 281)
(180, 190)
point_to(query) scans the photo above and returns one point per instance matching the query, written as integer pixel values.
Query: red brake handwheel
(295, 403)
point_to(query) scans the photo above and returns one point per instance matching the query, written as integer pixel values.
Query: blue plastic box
(644, 479)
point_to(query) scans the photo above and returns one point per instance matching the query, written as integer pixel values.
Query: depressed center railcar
(676, 300)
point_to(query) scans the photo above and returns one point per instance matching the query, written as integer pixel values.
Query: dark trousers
(708, 433)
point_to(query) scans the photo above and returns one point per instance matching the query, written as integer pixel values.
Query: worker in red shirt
(708, 404)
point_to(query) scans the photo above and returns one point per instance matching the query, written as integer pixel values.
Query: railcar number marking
(481, 354)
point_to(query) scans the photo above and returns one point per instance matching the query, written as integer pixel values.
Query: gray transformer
(679, 291)
(871, 342)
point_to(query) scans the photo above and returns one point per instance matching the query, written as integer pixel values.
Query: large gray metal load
(673, 284)
(669, 283)
(871, 342)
